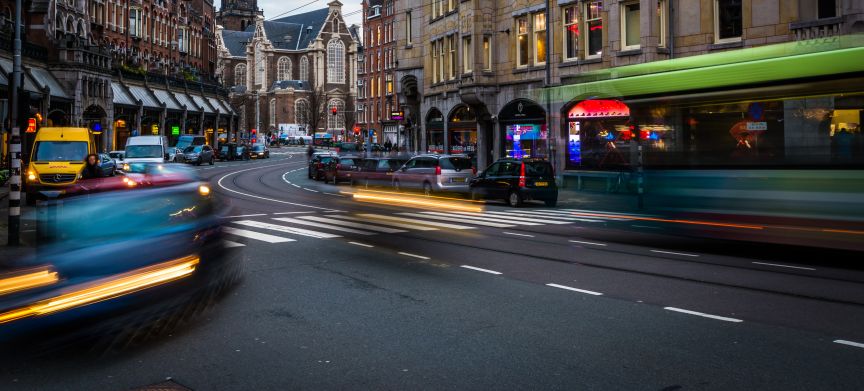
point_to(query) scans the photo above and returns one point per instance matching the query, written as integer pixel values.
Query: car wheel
(514, 199)
(551, 203)
(427, 189)
(212, 161)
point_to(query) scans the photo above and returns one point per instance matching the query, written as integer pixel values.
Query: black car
(107, 165)
(516, 181)
(260, 151)
(342, 169)
(315, 162)
(241, 153)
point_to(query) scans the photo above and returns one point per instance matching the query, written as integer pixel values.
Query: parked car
(198, 154)
(107, 165)
(347, 148)
(516, 181)
(312, 167)
(184, 142)
(241, 152)
(342, 169)
(319, 165)
(118, 157)
(377, 171)
(435, 173)
(260, 151)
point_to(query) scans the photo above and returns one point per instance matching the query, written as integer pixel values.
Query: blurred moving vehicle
(147, 149)
(377, 171)
(107, 165)
(319, 165)
(260, 151)
(163, 258)
(118, 157)
(56, 160)
(241, 152)
(435, 173)
(341, 169)
(347, 148)
(199, 154)
(184, 142)
(516, 181)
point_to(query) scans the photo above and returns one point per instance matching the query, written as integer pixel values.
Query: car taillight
(338, 166)
(522, 175)
(474, 170)
(437, 170)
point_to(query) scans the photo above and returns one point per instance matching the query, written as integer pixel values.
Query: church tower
(238, 14)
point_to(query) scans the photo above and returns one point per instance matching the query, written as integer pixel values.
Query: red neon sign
(599, 108)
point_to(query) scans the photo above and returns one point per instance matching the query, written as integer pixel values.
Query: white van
(146, 149)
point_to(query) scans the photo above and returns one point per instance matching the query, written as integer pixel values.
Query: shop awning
(142, 94)
(185, 100)
(215, 104)
(199, 100)
(166, 98)
(29, 85)
(228, 108)
(44, 79)
(121, 97)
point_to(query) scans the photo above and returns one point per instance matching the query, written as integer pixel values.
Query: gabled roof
(300, 23)
(236, 41)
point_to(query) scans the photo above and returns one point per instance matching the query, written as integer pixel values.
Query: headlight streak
(431, 202)
(27, 280)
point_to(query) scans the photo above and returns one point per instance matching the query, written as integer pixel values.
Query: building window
(826, 9)
(727, 21)
(389, 84)
(630, 32)
(593, 28)
(467, 55)
(336, 122)
(539, 39)
(521, 42)
(336, 61)
(408, 27)
(304, 69)
(260, 64)
(273, 112)
(301, 112)
(182, 40)
(283, 68)
(662, 15)
(434, 47)
(571, 33)
(487, 53)
(451, 5)
(435, 8)
(441, 60)
(240, 75)
(134, 22)
(451, 57)
(378, 38)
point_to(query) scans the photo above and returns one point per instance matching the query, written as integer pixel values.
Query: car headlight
(31, 175)
(125, 167)
(204, 190)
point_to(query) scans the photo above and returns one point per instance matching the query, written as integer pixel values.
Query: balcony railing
(815, 29)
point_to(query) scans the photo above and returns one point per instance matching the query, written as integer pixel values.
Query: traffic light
(31, 125)
(334, 110)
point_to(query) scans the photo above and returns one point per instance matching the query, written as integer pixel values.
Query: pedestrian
(388, 145)
(309, 151)
(91, 167)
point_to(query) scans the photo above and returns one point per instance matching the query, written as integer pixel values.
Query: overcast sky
(275, 7)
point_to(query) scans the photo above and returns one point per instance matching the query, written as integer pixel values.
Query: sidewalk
(28, 231)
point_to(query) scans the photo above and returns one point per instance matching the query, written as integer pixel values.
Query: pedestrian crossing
(278, 228)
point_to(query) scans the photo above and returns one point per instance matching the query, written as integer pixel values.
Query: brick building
(377, 99)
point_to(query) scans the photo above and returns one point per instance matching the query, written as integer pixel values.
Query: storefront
(523, 124)
(462, 127)
(391, 132)
(434, 131)
(599, 135)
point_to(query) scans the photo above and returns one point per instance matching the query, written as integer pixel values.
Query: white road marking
(257, 235)
(282, 228)
(322, 225)
(252, 215)
(674, 253)
(415, 221)
(570, 288)
(259, 197)
(778, 265)
(554, 217)
(361, 244)
(849, 343)
(413, 255)
(295, 185)
(308, 189)
(591, 243)
(290, 213)
(457, 219)
(352, 224)
(599, 212)
(702, 314)
(387, 223)
(479, 269)
(231, 244)
(509, 220)
(333, 194)
(517, 234)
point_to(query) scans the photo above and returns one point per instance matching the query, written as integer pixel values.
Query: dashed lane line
(517, 234)
(674, 253)
(308, 189)
(570, 288)
(589, 243)
(480, 269)
(704, 315)
(786, 266)
(361, 244)
(849, 343)
(413, 255)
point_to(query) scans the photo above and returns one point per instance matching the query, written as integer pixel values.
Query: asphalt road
(339, 294)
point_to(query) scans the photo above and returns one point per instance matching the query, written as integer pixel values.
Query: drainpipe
(550, 136)
(671, 29)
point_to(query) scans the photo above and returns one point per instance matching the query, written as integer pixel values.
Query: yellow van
(57, 159)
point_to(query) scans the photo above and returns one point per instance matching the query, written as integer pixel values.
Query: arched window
(301, 112)
(240, 75)
(336, 122)
(273, 112)
(304, 69)
(283, 69)
(336, 62)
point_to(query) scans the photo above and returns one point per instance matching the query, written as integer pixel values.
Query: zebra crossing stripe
(546, 215)
(515, 219)
(352, 224)
(415, 221)
(387, 223)
(230, 244)
(322, 225)
(282, 228)
(458, 219)
(256, 235)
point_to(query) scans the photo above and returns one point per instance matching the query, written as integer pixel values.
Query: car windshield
(349, 162)
(541, 169)
(326, 159)
(258, 148)
(143, 151)
(116, 155)
(195, 149)
(54, 151)
(456, 163)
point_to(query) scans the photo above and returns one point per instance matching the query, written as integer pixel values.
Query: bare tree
(316, 110)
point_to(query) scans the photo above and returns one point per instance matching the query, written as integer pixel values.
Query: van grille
(56, 178)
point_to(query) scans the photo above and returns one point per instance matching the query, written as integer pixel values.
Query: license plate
(453, 180)
(541, 184)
